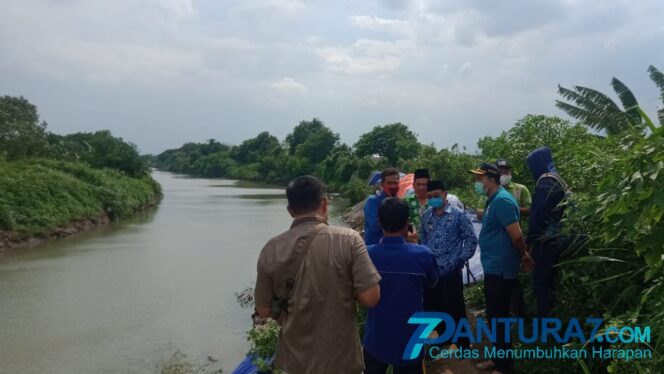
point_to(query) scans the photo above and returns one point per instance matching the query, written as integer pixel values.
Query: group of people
(311, 277)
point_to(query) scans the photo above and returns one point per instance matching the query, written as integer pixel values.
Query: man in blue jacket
(544, 226)
(406, 269)
(389, 187)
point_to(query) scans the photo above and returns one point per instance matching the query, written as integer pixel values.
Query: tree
(339, 166)
(21, 133)
(212, 146)
(252, 150)
(312, 140)
(598, 111)
(393, 142)
(658, 77)
(103, 150)
(574, 149)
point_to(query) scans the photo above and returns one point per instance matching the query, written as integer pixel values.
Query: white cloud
(179, 9)
(290, 4)
(289, 85)
(441, 66)
(373, 23)
(365, 56)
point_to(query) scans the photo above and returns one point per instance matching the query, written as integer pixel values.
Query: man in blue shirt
(406, 269)
(503, 251)
(449, 233)
(389, 187)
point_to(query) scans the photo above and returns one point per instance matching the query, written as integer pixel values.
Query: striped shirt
(319, 334)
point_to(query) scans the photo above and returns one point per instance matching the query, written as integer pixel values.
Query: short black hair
(492, 172)
(393, 214)
(387, 172)
(305, 194)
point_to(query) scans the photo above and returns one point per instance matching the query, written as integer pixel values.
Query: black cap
(422, 173)
(435, 185)
(502, 163)
(487, 169)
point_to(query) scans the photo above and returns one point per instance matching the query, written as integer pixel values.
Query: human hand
(413, 237)
(527, 263)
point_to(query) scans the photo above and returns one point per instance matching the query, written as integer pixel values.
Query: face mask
(436, 202)
(479, 188)
(505, 180)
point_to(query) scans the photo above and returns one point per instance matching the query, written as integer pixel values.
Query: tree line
(49, 181)
(24, 136)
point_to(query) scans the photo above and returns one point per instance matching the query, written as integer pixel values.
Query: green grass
(37, 196)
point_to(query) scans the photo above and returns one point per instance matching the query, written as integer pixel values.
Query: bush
(40, 195)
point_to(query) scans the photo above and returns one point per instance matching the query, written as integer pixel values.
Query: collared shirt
(520, 193)
(372, 230)
(416, 209)
(450, 237)
(406, 270)
(319, 334)
(498, 255)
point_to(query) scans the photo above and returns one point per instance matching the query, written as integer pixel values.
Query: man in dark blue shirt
(406, 269)
(389, 187)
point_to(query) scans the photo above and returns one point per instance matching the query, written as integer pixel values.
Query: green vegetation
(40, 195)
(312, 148)
(49, 180)
(613, 228)
(263, 339)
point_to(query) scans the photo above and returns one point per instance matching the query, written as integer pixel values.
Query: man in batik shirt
(449, 233)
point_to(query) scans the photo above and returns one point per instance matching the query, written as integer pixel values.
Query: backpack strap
(567, 192)
(555, 176)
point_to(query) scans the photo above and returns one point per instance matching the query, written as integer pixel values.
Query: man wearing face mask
(389, 187)
(449, 233)
(417, 202)
(503, 252)
(522, 197)
(519, 191)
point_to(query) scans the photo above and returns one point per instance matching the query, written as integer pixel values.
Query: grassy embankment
(45, 198)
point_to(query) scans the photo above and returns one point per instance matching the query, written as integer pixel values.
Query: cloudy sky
(162, 72)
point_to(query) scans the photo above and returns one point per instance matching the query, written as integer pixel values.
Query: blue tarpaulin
(245, 367)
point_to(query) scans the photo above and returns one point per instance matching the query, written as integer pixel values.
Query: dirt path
(457, 366)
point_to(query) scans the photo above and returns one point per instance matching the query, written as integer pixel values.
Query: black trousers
(519, 308)
(373, 366)
(497, 291)
(545, 256)
(447, 296)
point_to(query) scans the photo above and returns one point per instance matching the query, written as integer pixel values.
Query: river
(124, 297)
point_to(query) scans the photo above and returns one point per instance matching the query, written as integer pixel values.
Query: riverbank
(46, 199)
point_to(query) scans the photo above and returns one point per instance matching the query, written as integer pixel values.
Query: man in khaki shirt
(318, 330)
